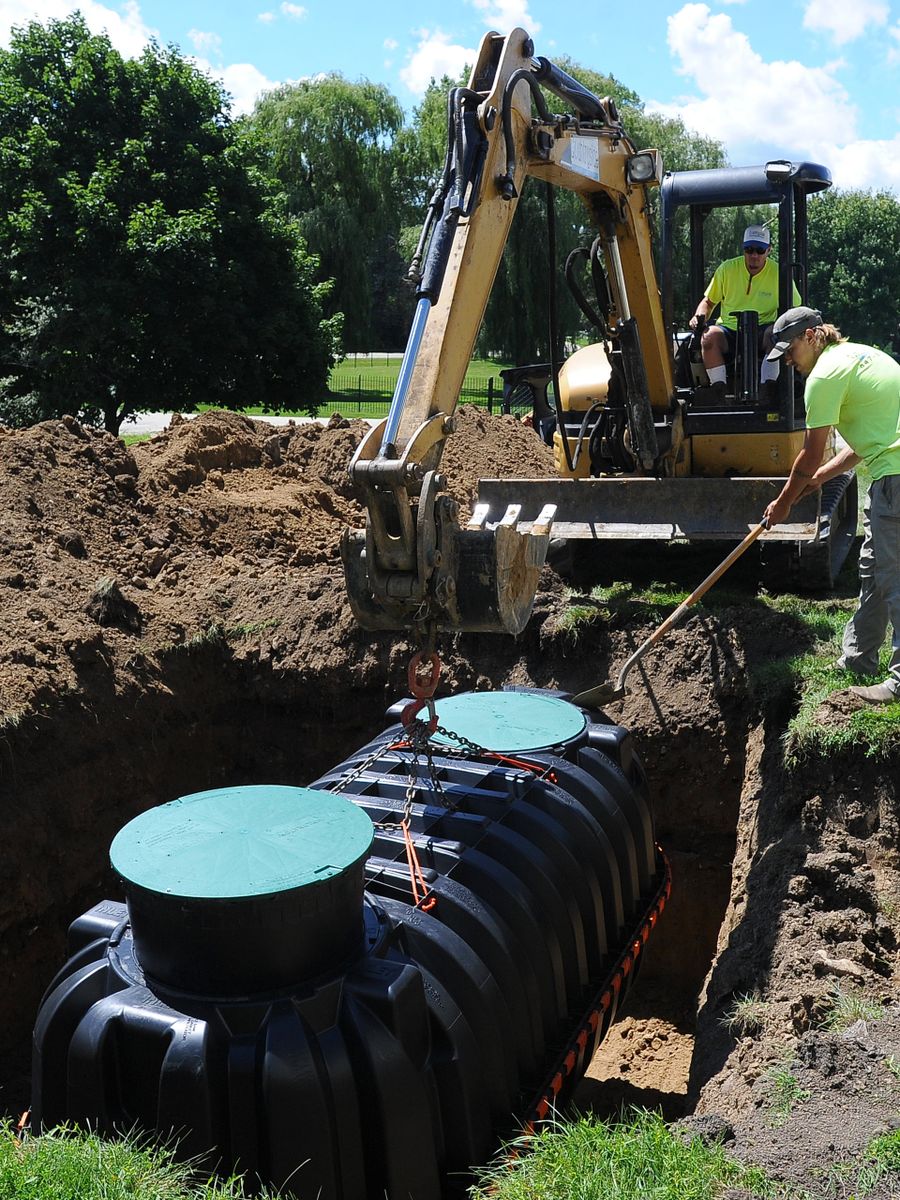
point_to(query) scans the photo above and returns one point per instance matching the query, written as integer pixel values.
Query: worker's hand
(776, 512)
(693, 322)
(811, 488)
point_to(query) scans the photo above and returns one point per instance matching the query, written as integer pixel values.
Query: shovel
(603, 693)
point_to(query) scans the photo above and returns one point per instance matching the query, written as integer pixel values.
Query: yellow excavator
(644, 448)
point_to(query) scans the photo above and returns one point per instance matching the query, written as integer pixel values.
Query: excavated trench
(206, 719)
(176, 620)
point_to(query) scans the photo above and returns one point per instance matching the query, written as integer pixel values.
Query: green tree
(331, 144)
(144, 261)
(854, 246)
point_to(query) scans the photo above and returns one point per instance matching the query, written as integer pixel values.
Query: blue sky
(805, 79)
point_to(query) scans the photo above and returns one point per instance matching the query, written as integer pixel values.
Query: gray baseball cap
(790, 325)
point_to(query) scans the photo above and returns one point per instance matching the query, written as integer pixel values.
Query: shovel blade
(596, 697)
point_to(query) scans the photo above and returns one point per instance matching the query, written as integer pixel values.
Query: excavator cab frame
(724, 460)
(778, 182)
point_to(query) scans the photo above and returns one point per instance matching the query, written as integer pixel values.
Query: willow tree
(331, 144)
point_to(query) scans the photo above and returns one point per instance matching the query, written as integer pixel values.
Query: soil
(175, 618)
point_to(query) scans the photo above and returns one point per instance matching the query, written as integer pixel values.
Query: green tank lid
(510, 722)
(242, 841)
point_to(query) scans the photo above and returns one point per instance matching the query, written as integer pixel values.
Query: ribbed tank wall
(418, 1034)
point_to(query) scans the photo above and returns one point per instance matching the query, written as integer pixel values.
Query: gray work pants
(879, 595)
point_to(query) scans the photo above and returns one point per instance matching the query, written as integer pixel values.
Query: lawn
(362, 385)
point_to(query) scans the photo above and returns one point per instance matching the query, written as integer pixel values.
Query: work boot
(711, 395)
(877, 693)
(841, 664)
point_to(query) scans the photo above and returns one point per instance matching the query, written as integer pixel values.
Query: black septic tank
(355, 989)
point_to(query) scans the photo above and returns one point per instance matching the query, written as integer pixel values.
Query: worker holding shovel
(856, 389)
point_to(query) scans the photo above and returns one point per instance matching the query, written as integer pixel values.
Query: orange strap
(628, 960)
(421, 897)
(534, 768)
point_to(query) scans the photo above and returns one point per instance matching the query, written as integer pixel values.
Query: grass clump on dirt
(785, 1093)
(849, 1007)
(604, 603)
(70, 1165)
(812, 678)
(806, 680)
(748, 1015)
(880, 1168)
(636, 1156)
(876, 729)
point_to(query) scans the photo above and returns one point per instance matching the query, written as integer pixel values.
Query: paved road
(154, 422)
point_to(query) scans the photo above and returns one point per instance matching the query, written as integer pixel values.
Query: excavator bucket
(482, 579)
(807, 552)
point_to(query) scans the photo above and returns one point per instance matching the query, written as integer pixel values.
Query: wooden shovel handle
(702, 588)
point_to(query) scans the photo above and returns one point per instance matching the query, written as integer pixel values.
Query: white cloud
(504, 15)
(125, 26)
(243, 81)
(129, 34)
(206, 43)
(761, 110)
(752, 106)
(868, 164)
(266, 17)
(843, 20)
(297, 11)
(390, 43)
(434, 56)
(893, 54)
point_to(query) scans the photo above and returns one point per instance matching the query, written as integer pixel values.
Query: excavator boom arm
(414, 566)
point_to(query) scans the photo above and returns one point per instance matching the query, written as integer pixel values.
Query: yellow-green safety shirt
(737, 290)
(857, 389)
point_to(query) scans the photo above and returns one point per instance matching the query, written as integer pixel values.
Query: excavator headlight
(645, 167)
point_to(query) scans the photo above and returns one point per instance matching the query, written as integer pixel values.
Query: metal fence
(356, 394)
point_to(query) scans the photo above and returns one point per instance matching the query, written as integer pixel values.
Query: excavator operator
(748, 283)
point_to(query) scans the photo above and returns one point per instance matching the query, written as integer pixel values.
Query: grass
(638, 1156)
(68, 1165)
(249, 629)
(215, 633)
(876, 729)
(372, 369)
(603, 604)
(880, 1167)
(804, 680)
(749, 1014)
(785, 1093)
(847, 1008)
(812, 676)
(364, 385)
(13, 718)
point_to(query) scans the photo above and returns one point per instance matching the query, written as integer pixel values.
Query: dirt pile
(175, 618)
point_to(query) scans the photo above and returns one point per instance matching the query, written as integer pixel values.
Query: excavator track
(813, 565)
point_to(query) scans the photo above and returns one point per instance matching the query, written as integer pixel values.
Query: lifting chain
(418, 741)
